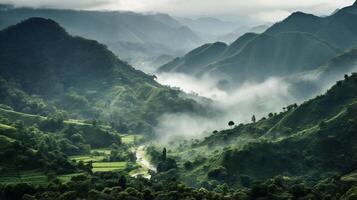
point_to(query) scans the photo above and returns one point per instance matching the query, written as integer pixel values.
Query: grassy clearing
(33, 177)
(108, 166)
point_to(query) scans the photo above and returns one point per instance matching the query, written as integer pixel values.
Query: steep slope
(338, 29)
(295, 143)
(82, 77)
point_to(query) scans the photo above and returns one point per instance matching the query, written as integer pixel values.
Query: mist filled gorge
(175, 99)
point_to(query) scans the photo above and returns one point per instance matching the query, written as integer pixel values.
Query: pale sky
(259, 10)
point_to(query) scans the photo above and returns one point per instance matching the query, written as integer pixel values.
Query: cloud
(267, 9)
(250, 98)
(272, 16)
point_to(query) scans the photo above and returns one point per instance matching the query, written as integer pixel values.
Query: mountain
(195, 59)
(260, 28)
(45, 70)
(261, 56)
(296, 144)
(338, 29)
(147, 35)
(203, 26)
(230, 37)
(301, 42)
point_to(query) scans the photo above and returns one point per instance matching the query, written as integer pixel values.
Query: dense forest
(78, 122)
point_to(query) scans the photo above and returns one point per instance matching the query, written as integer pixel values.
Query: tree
(230, 123)
(253, 119)
(271, 115)
(346, 76)
(164, 154)
(122, 181)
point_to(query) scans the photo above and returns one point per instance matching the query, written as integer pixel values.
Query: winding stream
(145, 164)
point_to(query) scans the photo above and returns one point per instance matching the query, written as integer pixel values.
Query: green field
(34, 177)
(87, 158)
(108, 166)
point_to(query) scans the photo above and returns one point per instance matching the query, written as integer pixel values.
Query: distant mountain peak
(38, 25)
(355, 4)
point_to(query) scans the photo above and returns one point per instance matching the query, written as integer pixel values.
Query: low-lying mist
(238, 105)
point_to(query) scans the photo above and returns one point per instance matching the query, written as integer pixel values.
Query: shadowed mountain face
(126, 33)
(260, 56)
(78, 75)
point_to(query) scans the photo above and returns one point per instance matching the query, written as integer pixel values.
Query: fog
(241, 10)
(239, 105)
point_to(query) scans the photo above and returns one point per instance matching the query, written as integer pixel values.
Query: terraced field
(34, 177)
(108, 166)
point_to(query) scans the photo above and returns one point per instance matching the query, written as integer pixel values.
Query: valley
(271, 115)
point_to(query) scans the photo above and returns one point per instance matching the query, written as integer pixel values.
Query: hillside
(295, 143)
(261, 56)
(130, 35)
(46, 70)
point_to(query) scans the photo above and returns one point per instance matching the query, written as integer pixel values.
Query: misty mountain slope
(307, 84)
(338, 29)
(41, 63)
(195, 59)
(239, 44)
(255, 56)
(296, 143)
(116, 29)
(209, 28)
(276, 55)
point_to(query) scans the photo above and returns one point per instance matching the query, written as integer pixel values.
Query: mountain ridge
(64, 73)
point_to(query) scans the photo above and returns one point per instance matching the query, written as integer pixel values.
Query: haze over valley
(173, 99)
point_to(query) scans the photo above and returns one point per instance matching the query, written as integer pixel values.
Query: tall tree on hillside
(253, 119)
(122, 181)
(164, 154)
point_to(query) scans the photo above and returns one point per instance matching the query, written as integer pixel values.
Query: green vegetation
(101, 89)
(296, 143)
(33, 177)
(69, 108)
(108, 166)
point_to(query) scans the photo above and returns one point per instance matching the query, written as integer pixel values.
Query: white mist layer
(238, 105)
